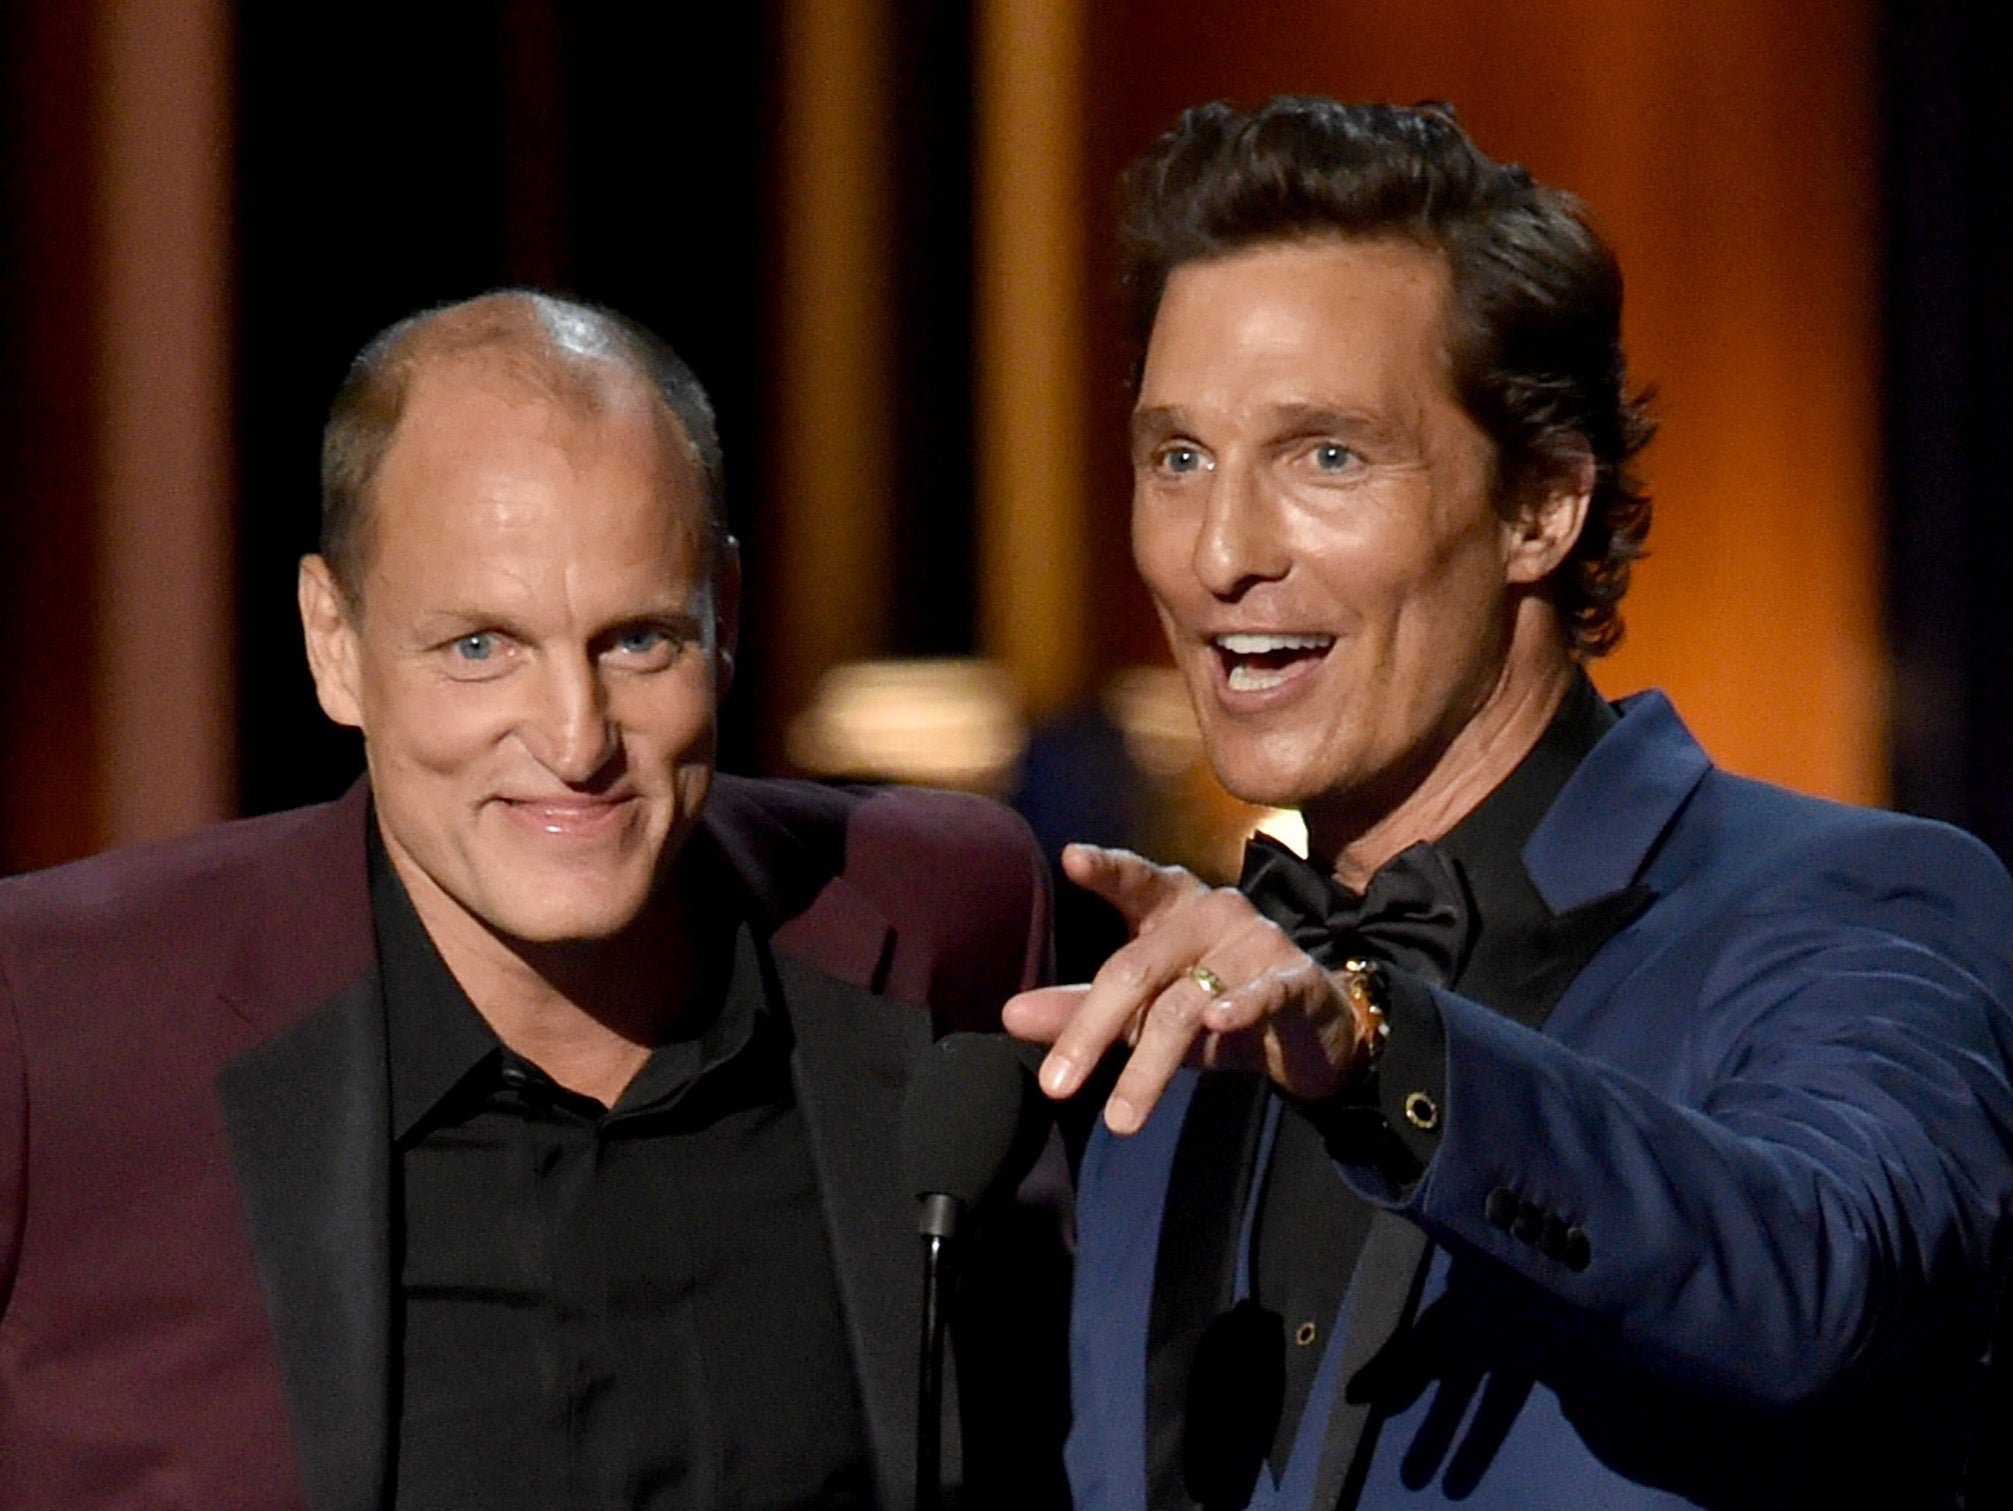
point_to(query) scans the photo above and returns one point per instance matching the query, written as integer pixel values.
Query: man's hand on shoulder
(1206, 980)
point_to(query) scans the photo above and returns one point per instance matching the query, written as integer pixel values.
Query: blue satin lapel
(1627, 791)
(308, 1115)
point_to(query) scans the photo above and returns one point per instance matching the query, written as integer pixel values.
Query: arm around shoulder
(964, 874)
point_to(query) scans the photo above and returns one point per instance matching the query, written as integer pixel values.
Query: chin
(563, 931)
(1265, 778)
(1292, 796)
(563, 914)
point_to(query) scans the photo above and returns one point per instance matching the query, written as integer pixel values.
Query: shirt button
(1421, 1111)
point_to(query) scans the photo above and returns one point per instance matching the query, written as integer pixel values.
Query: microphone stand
(970, 1124)
(939, 1225)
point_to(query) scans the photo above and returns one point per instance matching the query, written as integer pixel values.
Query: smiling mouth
(1257, 663)
(561, 817)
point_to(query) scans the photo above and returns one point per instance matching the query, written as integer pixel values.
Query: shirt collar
(1501, 824)
(1486, 847)
(433, 1035)
(438, 1043)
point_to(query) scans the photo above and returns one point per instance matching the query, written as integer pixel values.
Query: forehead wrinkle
(512, 601)
(1417, 270)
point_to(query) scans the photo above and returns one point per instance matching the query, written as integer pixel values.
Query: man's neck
(587, 1013)
(1534, 680)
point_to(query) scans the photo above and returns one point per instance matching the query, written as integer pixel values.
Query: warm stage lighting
(940, 723)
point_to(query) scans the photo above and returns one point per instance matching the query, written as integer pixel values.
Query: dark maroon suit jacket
(195, 1262)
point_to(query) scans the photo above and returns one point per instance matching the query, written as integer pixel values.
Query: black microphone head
(974, 1118)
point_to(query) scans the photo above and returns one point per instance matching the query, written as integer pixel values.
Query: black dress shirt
(1519, 959)
(624, 1307)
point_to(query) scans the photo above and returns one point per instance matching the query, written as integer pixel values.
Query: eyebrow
(447, 615)
(1304, 418)
(689, 616)
(686, 622)
(1161, 419)
(1293, 419)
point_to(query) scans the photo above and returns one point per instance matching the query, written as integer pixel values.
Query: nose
(570, 730)
(1240, 542)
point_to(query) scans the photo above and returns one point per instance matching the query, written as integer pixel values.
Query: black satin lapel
(1195, 1269)
(851, 1067)
(1524, 976)
(1381, 1296)
(309, 1115)
(1576, 936)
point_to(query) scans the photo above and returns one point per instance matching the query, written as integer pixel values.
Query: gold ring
(1205, 978)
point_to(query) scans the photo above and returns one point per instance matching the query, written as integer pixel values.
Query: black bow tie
(1414, 914)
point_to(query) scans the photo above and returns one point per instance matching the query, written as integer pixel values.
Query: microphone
(973, 1122)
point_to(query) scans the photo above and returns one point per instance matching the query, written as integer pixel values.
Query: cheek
(672, 722)
(1449, 644)
(1161, 550)
(1472, 588)
(434, 726)
(1444, 581)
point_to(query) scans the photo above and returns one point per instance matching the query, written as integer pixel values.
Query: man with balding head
(517, 1130)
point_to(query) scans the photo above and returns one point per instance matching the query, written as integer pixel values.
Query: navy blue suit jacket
(1775, 1105)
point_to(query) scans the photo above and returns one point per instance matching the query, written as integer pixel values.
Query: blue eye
(477, 647)
(1181, 459)
(646, 647)
(1332, 457)
(640, 640)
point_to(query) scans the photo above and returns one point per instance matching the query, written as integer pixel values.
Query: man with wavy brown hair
(1577, 1125)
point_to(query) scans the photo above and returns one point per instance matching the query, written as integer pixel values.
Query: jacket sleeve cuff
(1389, 1124)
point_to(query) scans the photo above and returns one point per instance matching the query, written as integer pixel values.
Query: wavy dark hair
(550, 343)
(1534, 322)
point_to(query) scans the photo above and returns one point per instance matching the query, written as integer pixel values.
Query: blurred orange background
(880, 228)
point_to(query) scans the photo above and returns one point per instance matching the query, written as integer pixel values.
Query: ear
(726, 614)
(333, 652)
(1548, 519)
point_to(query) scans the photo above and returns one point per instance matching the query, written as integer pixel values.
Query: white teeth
(1259, 645)
(1246, 669)
(1253, 679)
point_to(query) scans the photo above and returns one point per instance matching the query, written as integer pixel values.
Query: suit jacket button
(1579, 1251)
(1501, 1207)
(1552, 1240)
